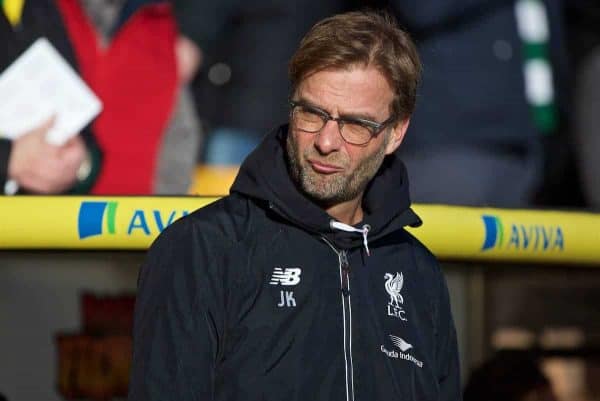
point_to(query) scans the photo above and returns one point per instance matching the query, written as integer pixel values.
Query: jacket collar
(264, 176)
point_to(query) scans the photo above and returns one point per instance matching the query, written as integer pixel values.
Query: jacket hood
(264, 176)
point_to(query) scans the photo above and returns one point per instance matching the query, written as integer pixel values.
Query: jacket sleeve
(446, 357)
(80, 187)
(94, 154)
(5, 147)
(179, 318)
(448, 365)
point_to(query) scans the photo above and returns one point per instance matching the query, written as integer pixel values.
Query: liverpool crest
(393, 286)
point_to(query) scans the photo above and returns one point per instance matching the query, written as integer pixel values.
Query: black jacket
(256, 297)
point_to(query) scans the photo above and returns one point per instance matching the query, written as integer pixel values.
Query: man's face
(328, 169)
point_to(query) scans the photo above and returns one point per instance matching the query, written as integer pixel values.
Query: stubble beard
(336, 188)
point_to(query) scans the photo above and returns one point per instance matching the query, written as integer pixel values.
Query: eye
(356, 132)
(307, 119)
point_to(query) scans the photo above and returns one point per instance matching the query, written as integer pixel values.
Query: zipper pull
(344, 261)
(345, 266)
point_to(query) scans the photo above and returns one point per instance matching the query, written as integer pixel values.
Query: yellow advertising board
(466, 233)
(451, 232)
(73, 222)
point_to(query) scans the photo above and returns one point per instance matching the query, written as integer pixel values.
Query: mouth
(324, 168)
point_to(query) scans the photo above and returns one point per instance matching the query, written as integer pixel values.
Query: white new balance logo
(287, 276)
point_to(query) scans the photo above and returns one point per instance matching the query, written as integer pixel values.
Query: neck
(349, 212)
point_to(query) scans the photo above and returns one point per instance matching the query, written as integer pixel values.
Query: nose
(329, 139)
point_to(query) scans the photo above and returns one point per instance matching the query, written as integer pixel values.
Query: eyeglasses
(355, 131)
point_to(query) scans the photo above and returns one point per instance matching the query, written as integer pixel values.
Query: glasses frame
(374, 127)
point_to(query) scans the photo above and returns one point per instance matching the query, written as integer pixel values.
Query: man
(302, 284)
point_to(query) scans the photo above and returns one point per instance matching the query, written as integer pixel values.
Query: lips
(324, 168)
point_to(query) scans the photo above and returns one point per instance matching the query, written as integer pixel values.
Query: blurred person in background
(133, 58)
(493, 76)
(130, 53)
(245, 46)
(509, 376)
(29, 164)
(489, 123)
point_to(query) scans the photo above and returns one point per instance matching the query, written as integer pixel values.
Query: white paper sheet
(40, 84)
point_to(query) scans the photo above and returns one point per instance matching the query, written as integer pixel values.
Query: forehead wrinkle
(336, 98)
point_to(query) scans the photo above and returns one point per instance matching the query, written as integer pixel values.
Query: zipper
(344, 267)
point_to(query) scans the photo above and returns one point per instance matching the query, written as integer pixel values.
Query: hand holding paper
(40, 167)
(41, 84)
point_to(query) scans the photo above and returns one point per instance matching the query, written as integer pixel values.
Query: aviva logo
(99, 218)
(92, 219)
(532, 237)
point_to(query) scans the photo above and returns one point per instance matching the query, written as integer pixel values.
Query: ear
(397, 136)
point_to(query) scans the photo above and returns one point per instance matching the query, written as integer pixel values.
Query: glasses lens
(356, 133)
(307, 120)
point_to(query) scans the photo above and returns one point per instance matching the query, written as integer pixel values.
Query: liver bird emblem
(393, 286)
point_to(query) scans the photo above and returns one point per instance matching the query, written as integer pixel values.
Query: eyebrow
(346, 116)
